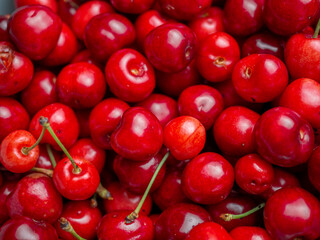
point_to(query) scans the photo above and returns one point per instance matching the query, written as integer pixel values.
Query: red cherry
(35, 197)
(4, 35)
(48, 3)
(83, 119)
(130, 75)
(86, 56)
(314, 169)
(43, 160)
(5, 190)
(67, 10)
(249, 233)
(136, 7)
(208, 231)
(35, 30)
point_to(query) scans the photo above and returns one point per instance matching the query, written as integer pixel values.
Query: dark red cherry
(4, 35)
(13, 116)
(133, 7)
(179, 43)
(23, 227)
(125, 200)
(139, 135)
(291, 140)
(113, 226)
(129, 75)
(292, 213)
(135, 176)
(35, 197)
(249, 233)
(43, 160)
(108, 33)
(314, 168)
(83, 119)
(40, 92)
(67, 9)
(48, 3)
(85, 56)
(83, 217)
(103, 120)
(61, 118)
(260, 77)
(208, 231)
(35, 30)
(216, 56)
(5, 190)
(177, 221)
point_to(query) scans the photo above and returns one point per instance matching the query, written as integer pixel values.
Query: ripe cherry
(136, 7)
(249, 233)
(4, 36)
(48, 3)
(83, 119)
(44, 160)
(314, 169)
(5, 191)
(208, 231)
(67, 10)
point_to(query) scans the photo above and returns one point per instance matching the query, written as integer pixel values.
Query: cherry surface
(67, 9)
(208, 231)
(128, 6)
(48, 3)
(313, 168)
(43, 160)
(5, 190)
(249, 233)
(83, 119)
(4, 36)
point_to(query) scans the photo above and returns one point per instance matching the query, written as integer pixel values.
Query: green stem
(43, 170)
(53, 161)
(228, 216)
(135, 214)
(316, 31)
(103, 193)
(26, 150)
(66, 226)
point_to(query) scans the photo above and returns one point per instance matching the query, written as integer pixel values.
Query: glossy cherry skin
(83, 217)
(260, 77)
(108, 33)
(208, 178)
(249, 233)
(208, 231)
(201, 102)
(288, 17)
(235, 204)
(22, 227)
(61, 118)
(291, 140)
(135, 176)
(179, 42)
(85, 13)
(185, 137)
(43, 160)
(35, 197)
(253, 174)
(4, 36)
(5, 190)
(76, 186)
(136, 7)
(48, 3)
(13, 116)
(302, 56)
(81, 85)
(292, 213)
(11, 156)
(163, 107)
(35, 30)
(129, 75)
(139, 135)
(125, 200)
(113, 226)
(217, 55)
(234, 131)
(67, 9)
(177, 221)
(103, 120)
(183, 10)
(314, 169)
(40, 92)
(16, 70)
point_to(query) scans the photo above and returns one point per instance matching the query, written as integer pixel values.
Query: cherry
(40, 92)
(179, 42)
(23, 227)
(260, 77)
(48, 3)
(103, 120)
(135, 7)
(112, 226)
(234, 131)
(4, 36)
(249, 233)
(13, 116)
(16, 70)
(108, 33)
(44, 160)
(83, 217)
(35, 30)
(130, 75)
(313, 168)
(125, 200)
(67, 9)
(292, 213)
(35, 197)
(217, 55)
(83, 119)
(208, 231)
(291, 140)
(85, 56)
(185, 137)
(139, 135)
(177, 221)
(5, 190)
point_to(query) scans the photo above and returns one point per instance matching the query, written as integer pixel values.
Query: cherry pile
(160, 119)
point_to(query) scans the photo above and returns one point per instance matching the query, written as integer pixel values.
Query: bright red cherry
(139, 135)
(35, 197)
(48, 3)
(43, 160)
(217, 55)
(249, 233)
(4, 36)
(133, 7)
(5, 190)
(292, 213)
(291, 140)
(208, 231)
(179, 43)
(314, 168)
(35, 30)
(130, 76)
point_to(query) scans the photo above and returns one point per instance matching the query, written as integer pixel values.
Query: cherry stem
(228, 216)
(53, 161)
(93, 201)
(43, 170)
(316, 31)
(46, 124)
(26, 150)
(103, 192)
(135, 214)
(66, 226)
